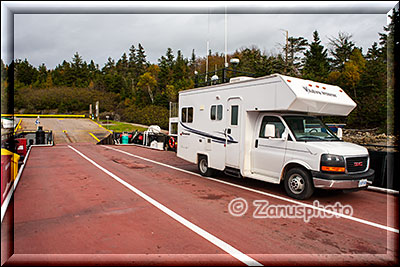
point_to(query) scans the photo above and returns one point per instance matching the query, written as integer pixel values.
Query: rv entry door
(232, 132)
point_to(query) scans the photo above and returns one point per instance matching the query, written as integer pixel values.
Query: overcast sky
(52, 38)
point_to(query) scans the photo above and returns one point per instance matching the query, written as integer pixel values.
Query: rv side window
(219, 112)
(184, 111)
(213, 112)
(216, 112)
(234, 115)
(190, 115)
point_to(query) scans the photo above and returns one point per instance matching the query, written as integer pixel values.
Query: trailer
(267, 129)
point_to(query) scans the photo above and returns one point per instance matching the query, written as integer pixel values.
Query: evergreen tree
(140, 62)
(80, 73)
(296, 45)
(41, 77)
(316, 64)
(371, 91)
(25, 72)
(342, 47)
(193, 58)
(123, 65)
(166, 69)
(109, 67)
(132, 57)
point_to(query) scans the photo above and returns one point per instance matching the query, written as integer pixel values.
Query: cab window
(279, 127)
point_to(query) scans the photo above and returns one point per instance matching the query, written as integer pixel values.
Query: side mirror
(269, 130)
(340, 133)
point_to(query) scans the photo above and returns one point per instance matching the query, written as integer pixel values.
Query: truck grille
(356, 164)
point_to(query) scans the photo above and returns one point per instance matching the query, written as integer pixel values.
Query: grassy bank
(118, 126)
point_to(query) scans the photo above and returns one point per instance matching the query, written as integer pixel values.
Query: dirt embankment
(370, 137)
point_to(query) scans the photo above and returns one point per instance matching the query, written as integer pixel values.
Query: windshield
(307, 128)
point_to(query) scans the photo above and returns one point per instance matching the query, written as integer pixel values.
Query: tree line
(133, 89)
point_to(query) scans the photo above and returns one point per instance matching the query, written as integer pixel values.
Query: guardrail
(385, 164)
(44, 115)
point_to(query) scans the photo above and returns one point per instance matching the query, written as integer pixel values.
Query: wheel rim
(203, 166)
(296, 183)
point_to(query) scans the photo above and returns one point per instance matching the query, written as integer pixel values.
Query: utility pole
(226, 39)
(208, 44)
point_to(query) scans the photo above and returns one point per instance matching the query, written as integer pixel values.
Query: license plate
(362, 183)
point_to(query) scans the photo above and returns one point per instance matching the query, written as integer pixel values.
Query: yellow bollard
(14, 165)
(14, 162)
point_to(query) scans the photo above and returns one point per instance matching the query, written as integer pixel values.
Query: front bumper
(342, 181)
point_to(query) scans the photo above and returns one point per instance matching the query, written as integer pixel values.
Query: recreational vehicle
(267, 129)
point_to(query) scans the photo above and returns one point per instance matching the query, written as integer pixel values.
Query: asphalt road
(68, 130)
(133, 205)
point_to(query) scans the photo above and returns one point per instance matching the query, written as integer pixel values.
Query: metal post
(97, 110)
(286, 59)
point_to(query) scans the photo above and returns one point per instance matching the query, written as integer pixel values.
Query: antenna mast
(226, 38)
(208, 43)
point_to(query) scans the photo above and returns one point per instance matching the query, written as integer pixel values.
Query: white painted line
(380, 226)
(383, 190)
(211, 238)
(6, 202)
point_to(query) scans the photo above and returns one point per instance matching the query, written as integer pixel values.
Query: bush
(148, 115)
(63, 99)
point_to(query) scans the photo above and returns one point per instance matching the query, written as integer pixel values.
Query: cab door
(268, 153)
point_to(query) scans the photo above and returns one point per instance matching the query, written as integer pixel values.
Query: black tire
(298, 183)
(202, 165)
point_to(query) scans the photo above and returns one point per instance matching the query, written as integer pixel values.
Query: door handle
(227, 131)
(256, 143)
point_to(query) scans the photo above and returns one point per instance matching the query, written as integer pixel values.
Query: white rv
(265, 128)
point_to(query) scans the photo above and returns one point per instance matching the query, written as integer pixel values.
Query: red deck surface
(67, 210)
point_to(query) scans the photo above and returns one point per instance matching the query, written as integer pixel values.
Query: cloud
(52, 38)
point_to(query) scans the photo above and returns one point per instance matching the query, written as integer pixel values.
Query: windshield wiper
(331, 138)
(310, 136)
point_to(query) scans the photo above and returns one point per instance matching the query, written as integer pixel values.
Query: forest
(132, 89)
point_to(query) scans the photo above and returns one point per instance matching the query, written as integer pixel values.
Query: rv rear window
(184, 111)
(187, 114)
(190, 115)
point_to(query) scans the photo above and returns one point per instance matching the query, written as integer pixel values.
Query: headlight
(332, 163)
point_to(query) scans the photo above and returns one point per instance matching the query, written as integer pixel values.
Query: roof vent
(240, 79)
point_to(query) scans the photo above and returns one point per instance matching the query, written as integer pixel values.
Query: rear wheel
(203, 166)
(298, 183)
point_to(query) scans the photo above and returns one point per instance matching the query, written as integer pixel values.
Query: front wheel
(298, 183)
(203, 167)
